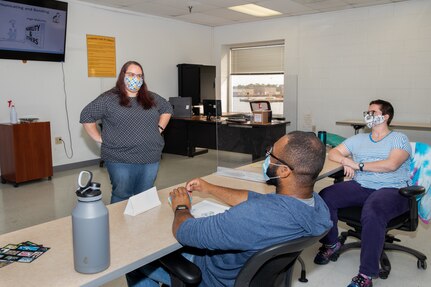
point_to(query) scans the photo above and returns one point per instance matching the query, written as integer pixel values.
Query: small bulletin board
(101, 56)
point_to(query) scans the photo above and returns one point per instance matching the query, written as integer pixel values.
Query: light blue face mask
(265, 166)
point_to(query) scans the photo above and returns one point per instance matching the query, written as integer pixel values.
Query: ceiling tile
(231, 15)
(154, 9)
(215, 13)
(204, 19)
(285, 6)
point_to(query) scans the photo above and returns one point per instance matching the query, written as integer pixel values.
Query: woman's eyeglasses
(269, 153)
(132, 75)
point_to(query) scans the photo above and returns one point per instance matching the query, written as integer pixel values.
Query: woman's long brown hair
(144, 97)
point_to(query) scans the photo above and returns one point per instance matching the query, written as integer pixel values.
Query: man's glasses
(371, 113)
(269, 153)
(132, 75)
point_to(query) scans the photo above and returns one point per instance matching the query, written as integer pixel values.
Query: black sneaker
(327, 253)
(361, 281)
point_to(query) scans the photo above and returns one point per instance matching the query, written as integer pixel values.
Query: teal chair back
(420, 167)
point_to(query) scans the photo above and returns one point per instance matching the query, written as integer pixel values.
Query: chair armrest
(182, 268)
(411, 191)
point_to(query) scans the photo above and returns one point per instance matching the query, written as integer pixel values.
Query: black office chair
(406, 222)
(260, 105)
(182, 271)
(271, 267)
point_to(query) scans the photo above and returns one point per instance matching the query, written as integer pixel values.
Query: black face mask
(271, 172)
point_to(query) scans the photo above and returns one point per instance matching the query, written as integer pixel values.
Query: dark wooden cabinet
(25, 152)
(197, 82)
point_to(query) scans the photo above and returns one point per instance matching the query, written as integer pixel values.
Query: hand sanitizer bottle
(13, 115)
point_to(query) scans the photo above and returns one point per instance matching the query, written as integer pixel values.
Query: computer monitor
(182, 106)
(212, 108)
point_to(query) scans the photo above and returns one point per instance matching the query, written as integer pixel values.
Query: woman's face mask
(133, 83)
(373, 120)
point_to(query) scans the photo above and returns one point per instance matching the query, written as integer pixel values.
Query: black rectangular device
(212, 108)
(182, 106)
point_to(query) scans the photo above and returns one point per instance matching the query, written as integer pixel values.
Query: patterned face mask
(372, 120)
(133, 84)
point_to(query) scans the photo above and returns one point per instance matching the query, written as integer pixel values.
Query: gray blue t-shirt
(230, 238)
(364, 149)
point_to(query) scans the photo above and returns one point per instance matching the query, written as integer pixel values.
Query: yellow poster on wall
(101, 56)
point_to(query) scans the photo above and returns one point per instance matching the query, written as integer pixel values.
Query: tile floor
(41, 201)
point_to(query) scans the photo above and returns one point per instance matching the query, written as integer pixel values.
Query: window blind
(257, 60)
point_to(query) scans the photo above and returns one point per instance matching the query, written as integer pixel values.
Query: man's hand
(198, 184)
(180, 196)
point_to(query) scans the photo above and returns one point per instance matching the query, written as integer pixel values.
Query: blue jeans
(151, 274)
(378, 208)
(128, 179)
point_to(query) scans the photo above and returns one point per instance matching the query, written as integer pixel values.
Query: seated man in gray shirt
(225, 241)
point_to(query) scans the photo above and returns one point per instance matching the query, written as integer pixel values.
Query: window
(257, 73)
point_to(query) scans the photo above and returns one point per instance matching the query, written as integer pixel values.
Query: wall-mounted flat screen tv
(33, 30)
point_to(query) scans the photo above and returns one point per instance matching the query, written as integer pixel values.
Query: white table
(135, 241)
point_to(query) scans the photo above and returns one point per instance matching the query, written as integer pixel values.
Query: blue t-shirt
(363, 149)
(230, 238)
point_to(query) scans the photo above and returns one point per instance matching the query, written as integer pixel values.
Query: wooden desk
(135, 241)
(184, 135)
(359, 124)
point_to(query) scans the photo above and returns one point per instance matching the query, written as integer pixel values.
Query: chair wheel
(383, 274)
(422, 264)
(342, 239)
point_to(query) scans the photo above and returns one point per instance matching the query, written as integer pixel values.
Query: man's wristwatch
(361, 166)
(181, 207)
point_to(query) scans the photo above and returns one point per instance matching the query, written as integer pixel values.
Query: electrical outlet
(58, 140)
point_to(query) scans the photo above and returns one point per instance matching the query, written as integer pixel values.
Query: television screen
(212, 108)
(33, 30)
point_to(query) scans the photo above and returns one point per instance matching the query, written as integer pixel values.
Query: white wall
(157, 43)
(339, 60)
(346, 58)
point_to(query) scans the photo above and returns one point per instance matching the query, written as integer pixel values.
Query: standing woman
(133, 119)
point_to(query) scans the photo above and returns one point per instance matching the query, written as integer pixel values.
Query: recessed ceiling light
(254, 10)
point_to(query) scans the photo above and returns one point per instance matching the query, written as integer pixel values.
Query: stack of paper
(207, 208)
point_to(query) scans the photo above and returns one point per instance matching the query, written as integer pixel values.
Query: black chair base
(303, 277)
(385, 264)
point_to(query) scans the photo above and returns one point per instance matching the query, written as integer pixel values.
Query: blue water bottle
(322, 136)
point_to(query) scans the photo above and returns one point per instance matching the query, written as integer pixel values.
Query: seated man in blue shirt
(225, 241)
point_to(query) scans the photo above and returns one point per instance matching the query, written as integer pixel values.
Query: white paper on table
(207, 208)
(142, 202)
